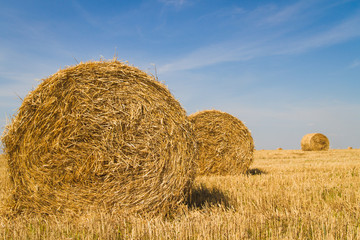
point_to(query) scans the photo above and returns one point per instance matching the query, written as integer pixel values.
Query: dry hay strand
(225, 145)
(314, 142)
(100, 134)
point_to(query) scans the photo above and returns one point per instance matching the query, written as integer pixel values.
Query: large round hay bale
(225, 145)
(100, 134)
(314, 142)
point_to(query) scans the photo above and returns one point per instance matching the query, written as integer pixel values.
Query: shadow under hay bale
(255, 171)
(225, 145)
(315, 142)
(203, 196)
(100, 134)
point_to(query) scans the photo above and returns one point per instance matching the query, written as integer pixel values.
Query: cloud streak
(342, 32)
(355, 64)
(288, 13)
(176, 3)
(275, 43)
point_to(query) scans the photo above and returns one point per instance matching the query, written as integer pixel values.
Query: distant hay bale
(100, 134)
(279, 149)
(314, 142)
(225, 145)
(350, 148)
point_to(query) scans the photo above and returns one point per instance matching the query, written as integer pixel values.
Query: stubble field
(287, 194)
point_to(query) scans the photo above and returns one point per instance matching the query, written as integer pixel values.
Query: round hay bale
(350, 148)
(100, 134)
(279, 149)
(314, 142)
(225, 145)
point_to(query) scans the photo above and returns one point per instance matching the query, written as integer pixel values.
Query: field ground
(287, 194)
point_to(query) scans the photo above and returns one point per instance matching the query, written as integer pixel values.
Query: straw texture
(314, 142)
(225, 145)
(100, 134)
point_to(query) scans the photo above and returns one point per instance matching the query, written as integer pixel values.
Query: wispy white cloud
(355, 64)
(176, 3)
(342, 32)
(228, 12)
(287, 13)
(87, 16)
(276, 43)
(223, 52)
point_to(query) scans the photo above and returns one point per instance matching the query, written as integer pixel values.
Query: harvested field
(287, 194)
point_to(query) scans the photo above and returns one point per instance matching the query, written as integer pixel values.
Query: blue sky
(285, 68)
